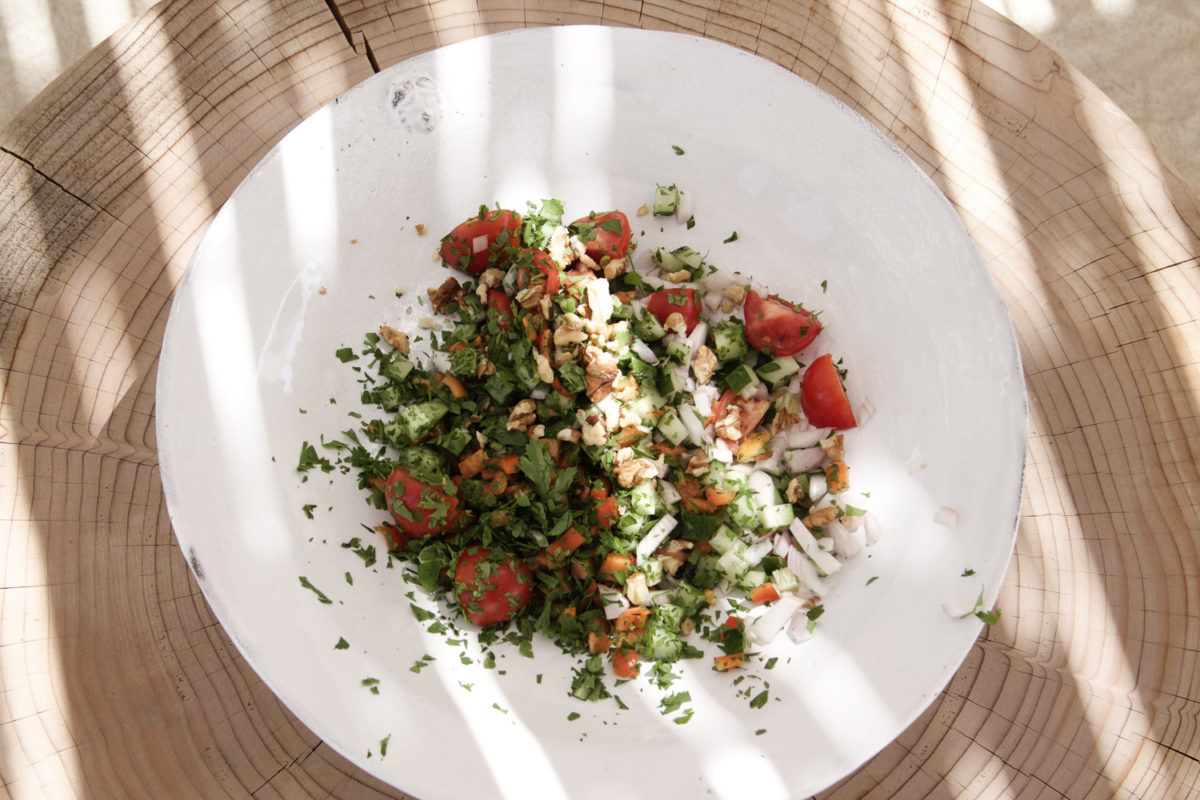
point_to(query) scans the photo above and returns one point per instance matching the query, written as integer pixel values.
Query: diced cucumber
(785, 580)
(666, 200)
(397, 368)
(419, 418)
(650, 392)
(779, 370)
(741, 378)
(648, 328)
(777, 516)
(666, 260)
(752, 578)
(671, 381)
(688, 598)
(672, 427)
(679, 351)
(726, 539)
(424, 462)
(527, 374)
(692, 259)
(732, 565)
(744, 511)
(728, 341)
(644, 499)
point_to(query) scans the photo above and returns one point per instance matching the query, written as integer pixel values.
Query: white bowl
(305, 258)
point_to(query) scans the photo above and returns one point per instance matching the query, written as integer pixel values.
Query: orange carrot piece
(471, 465)
(731, 661)
(718, 496)
(837, 476)
(453, 384)
(764, 593)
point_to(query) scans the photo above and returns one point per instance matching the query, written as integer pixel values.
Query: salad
(629, 461)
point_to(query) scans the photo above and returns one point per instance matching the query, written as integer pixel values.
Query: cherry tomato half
(487, 240)
(420, 510)
(492, 586)
(604, 236)
(823, 398)
(777, 327)
(625, 663)
(665, 302)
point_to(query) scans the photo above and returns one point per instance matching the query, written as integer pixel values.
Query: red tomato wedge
(823, 398)
(605, 236)
(776, 326)
(665, 302)
(487, 240)
(534, 267)
(420, 510)
(502, 303)
(625, 663)
(492, 585)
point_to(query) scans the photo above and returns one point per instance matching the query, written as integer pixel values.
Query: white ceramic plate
(306, 257)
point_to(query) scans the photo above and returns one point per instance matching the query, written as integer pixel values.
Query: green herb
(342, 644)
(731, 238)
(678, 150)
(372, 684)
(759, 700)
(308, 509)
(383, 745)
(345, 354)
(307, 584)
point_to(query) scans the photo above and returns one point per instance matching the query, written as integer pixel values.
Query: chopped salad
(629, 461)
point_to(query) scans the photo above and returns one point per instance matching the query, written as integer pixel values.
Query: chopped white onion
(872, 528)
(703, 397)
(773, 463)
(798, 461)
(614, 602)
(479, 244)
(757, 551)
(817, 486)
(712, 300)
(801, 437)
(696, 338)
(798, 627)
(669, 493)
(845, 543)
(538, 393)
(764, 628)
(643, 351)
(946, 516)
(762, 485)
(654, 537)
(804, 539)
(683, 209)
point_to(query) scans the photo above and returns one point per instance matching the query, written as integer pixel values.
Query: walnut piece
(730, 426)
(397, 339)
(522, 415)
(635, 471)
(600, 370)
(704, 364)
(448, 292)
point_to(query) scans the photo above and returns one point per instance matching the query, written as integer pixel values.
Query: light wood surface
(119, 683)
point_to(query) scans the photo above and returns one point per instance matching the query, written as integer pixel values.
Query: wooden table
(118, 682)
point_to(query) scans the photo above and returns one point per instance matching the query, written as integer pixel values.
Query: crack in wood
(49, 179)
(349, 34)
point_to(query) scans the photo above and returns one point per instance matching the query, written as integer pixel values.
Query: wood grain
(117, 680)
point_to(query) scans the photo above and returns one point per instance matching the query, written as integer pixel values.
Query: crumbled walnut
(594, 431)
(730, 426)
(420, 229)
(569, 435)
(784, 419)
(638, 470)
(674, 555)
(726, 306)
(794, 493)
(643, 210)
(427, 324)
(734, 294)
(678, 276)
(563, 248)
(448, 292)
(675, 323)
(600, 370)
(536, 431)
(397, 339)
(704, 364)
(522, 415)
(625, 388)
(834, 447)
(623, 456)
(530, 297)
(615, 267)
(697, 465)
(483, 368)
(629, 418)
(544, 370)
(569, 331)
(820, 516)
(491, 277)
